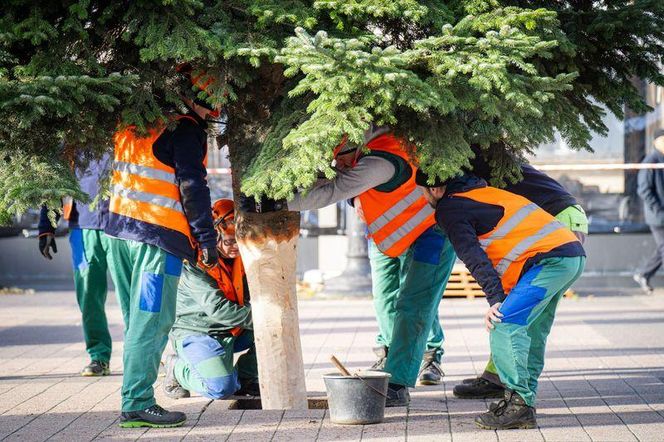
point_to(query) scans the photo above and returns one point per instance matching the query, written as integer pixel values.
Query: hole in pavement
(254, 403)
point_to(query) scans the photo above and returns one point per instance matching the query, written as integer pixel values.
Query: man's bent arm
(368, 173)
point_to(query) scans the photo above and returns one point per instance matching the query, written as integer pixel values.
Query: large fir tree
(294, 76)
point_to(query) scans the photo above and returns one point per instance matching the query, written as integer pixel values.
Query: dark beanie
(658, 133)
(421, 179)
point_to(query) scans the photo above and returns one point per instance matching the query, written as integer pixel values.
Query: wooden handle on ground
(339, 366)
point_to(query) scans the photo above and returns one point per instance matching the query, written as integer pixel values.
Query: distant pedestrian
(651, 191)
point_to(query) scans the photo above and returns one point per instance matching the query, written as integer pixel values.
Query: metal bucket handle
(345, 372)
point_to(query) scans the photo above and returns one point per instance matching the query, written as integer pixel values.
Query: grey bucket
(353, 401)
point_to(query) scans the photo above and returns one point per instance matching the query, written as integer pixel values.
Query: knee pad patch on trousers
(78, 259)
(152, 286)
(222, 386)
(522, 299)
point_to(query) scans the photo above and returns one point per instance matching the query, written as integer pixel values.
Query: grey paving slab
(603, 380)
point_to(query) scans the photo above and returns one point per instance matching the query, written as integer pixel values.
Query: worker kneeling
(524, 260)
(213, 321)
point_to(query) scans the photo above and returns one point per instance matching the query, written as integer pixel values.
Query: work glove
(264, 205)
(209, 257)
(47, 241)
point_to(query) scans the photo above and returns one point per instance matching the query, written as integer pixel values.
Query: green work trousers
(146, 280)
(575, 219)
(205, 364)
(518, 342)
(90, 255)
(406, 293)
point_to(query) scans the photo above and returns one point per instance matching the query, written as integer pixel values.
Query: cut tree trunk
(268, 248)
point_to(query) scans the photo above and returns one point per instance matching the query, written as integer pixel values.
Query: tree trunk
(268, 248)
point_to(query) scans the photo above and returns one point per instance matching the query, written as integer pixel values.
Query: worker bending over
(159, 215)
(213, 321)
(91, 258)
(411, 259)
(524, 260)
(551, 196)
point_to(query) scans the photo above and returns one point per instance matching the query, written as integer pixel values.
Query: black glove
(46, 241)
(209, 257)
(264, 205)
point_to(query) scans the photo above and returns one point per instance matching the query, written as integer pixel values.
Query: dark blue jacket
(464, 220)
(536, 186)
(651, 190)
(184, 149)
(81, 215)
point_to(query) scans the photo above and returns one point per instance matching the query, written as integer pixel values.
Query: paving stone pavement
(603, 380)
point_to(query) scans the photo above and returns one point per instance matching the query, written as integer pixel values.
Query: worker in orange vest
(213, 321)
(411, 259)
(524, 260)
(159, 215)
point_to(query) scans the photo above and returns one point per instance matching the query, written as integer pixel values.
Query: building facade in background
(605, 180)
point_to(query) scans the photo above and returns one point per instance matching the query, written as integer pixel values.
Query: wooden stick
(339, 366)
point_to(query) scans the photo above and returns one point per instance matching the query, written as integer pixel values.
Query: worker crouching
(524, 260)
(213, 321)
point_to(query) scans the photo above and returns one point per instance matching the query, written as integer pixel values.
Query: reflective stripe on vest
(524, 231)
(405, 228)
(395, 211)
(524, 245)
(144, 188)
(395, 219)
(144, 171)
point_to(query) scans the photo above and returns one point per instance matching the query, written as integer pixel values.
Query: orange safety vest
(524, 231)
(230, 281)
(143, 187)
(397, 218)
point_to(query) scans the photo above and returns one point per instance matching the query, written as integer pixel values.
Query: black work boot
(171, 386)
(397, 395)
(96, 368)
(478, 388)
(381, 352)
(510, 413)
(154, 416)
(249, 387)
(430, 371)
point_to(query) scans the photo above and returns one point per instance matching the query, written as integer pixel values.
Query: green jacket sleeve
(203, 290)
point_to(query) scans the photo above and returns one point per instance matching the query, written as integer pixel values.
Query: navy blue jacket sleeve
(456, 217)
(45, 225)
(189, 149)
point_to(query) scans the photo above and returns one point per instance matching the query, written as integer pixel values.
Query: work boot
(381, 352)
(643, 282)
(430, 371)
(96, 368)
(478, 388)
(510, 413)
(249, 387)
(171, 386)
(397, 395)
(155, 417)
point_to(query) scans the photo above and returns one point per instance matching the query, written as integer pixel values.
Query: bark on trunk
(268, 248)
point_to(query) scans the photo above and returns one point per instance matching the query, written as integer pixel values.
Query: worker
(551, 196)
(524, 260)
(411, 259)
(90, 261)
(159, 216)
(213, 321)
